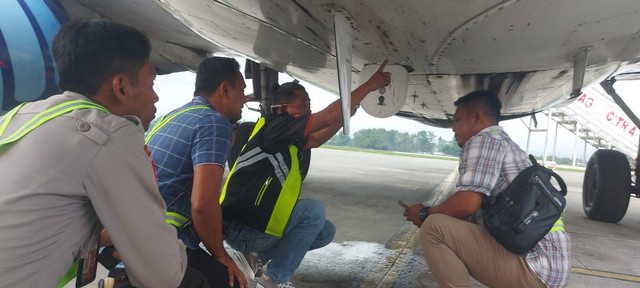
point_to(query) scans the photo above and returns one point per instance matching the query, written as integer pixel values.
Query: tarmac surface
(375, 246)
(381, 249)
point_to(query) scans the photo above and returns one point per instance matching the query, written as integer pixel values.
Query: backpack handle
(563, 186)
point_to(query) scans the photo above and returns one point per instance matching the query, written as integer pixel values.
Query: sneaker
(251, 263)
(285, 285)
(265, 281)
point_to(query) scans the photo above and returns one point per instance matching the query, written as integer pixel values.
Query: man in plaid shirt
(457, 249)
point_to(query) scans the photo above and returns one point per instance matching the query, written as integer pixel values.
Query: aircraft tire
(606, 186)
(242, 135)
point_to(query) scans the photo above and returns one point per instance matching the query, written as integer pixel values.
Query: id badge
(88, 265)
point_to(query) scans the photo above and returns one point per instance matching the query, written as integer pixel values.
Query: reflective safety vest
(262, 188)
(558, 226)
(173, 218)
(42, 117)
(176, 219)
(34, 123)
(166, 118)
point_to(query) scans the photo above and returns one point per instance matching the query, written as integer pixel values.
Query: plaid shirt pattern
(199, 136)
(489, 161)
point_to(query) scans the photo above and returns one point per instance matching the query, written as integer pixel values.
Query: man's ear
(121, 87)
(224, 89)
(477, 115)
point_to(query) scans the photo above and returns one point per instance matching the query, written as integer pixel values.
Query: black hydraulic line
(607, 85)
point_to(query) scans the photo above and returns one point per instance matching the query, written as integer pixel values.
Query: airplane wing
(534, 54)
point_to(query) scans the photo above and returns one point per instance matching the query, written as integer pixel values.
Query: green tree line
(421, 142)
(563, 160)
(392, 140)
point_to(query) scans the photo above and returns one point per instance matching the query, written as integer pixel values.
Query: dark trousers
(214, 271)
(203, 271)
(192, 279)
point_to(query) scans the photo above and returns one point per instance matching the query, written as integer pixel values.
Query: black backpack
(526, 210)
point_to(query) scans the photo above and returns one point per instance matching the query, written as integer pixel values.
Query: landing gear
(263, 80)
(242, 133)
(607, 186)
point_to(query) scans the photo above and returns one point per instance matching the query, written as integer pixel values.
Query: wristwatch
(423, 213)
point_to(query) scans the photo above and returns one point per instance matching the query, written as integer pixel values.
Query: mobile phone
(403, 204)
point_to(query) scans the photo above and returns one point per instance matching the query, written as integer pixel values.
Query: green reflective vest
(42, 117)
(166, 118)
(262, 188)
(34, 123)
(173, 218)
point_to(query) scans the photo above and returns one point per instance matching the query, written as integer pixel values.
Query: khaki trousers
(457, 249)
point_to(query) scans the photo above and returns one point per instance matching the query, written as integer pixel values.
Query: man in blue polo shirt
(189, 147)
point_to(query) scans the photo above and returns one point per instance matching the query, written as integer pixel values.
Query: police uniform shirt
(64, 181)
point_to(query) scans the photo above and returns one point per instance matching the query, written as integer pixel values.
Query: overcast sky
(176, 89)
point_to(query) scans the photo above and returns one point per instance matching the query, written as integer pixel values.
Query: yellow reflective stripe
(7, 117)
(165, 119)
(256, 128)
(558, 226)
(259, 125)
(287, 198)
(172, 223)
(49, 114)
(262, 190)
(176, 219)
(71, 273)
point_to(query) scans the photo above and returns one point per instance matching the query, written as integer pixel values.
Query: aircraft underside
(526, 51)
(533, 54)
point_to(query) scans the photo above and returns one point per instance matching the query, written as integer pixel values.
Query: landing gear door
(385, 102)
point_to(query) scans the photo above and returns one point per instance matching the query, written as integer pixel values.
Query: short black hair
(284, 93)
(212, 71)
(485, 100)
(88, 53)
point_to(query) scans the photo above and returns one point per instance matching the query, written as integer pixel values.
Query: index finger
(231, 276)
(384, 64)
(242, 281)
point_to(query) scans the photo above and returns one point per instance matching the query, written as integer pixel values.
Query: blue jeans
(307, 230)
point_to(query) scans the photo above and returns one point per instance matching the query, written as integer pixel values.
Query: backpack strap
(533, 160)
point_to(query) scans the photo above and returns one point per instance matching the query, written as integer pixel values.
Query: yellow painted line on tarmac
(388, 269)
(606, 274)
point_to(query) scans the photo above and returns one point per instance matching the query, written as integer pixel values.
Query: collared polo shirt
(195, 137)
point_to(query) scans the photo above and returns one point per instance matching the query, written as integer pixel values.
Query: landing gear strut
(607, 185)
(263, 80)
